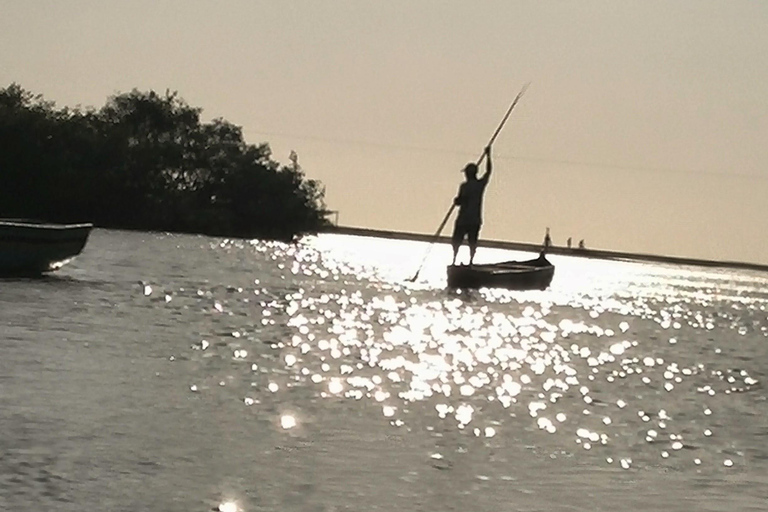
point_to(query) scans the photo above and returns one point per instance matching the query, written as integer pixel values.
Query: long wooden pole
(479, 161)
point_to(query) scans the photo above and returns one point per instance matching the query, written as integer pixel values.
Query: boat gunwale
(41, 225)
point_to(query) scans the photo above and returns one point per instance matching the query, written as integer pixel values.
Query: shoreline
(535, 248)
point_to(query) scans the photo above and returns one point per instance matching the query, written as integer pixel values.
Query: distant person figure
(569, 242)
(581, 244)
(547, 240)
(470, 203)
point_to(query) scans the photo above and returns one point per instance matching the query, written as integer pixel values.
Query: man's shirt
(471, 202)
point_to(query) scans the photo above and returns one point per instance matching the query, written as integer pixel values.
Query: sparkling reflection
(630, 364)
(228, 506)
(287, 421)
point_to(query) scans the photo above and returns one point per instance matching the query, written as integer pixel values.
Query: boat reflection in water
(29, 248)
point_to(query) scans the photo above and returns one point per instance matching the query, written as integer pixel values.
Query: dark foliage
(145, 161)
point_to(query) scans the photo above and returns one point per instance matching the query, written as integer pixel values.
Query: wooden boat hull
(534, 274)
(33, 248)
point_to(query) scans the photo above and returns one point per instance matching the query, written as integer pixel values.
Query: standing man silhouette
(470, 203)
(547, 240)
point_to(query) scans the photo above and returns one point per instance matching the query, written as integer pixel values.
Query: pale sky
(645, 127)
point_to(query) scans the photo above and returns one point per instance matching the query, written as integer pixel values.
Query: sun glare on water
(229, 506)
(610, 350)
(287, 421)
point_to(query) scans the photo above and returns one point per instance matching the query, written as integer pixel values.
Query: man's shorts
(471, 231)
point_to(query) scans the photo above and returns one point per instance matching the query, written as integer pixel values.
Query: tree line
(145, 161)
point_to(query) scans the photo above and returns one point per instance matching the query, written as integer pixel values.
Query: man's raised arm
(488, 164)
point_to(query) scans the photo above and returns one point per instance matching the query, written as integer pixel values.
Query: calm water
(165, 372)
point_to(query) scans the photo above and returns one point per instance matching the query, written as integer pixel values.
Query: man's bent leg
(456, 239)
(472, 235)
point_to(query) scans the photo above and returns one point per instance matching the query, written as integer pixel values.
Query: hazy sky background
(645, 127)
